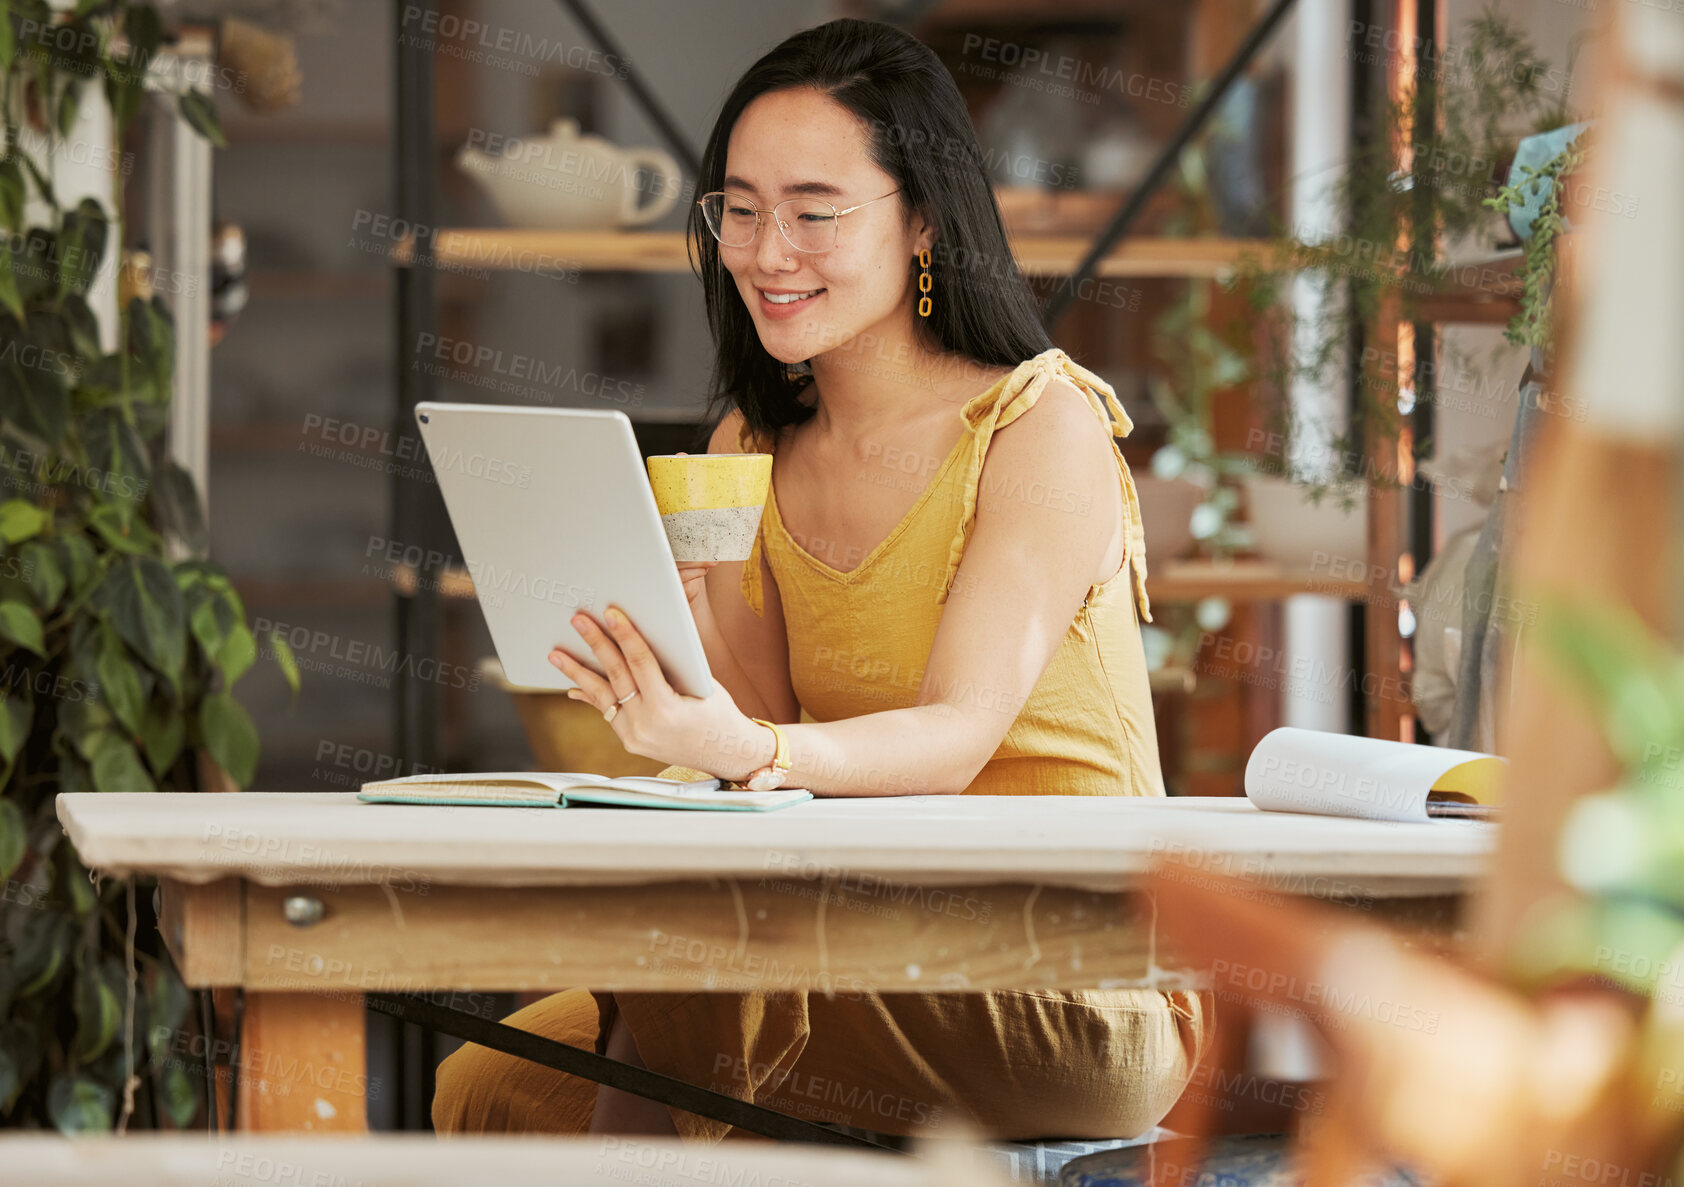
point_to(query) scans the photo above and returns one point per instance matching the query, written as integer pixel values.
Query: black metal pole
(207, 1026)
(646, 98)
(1423, 416)
(417, 515)
(588, 1065)
(1190, 127)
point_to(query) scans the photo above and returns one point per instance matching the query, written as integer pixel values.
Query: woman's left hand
(708, 733)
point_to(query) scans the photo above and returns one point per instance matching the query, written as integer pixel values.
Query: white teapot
(569, 182)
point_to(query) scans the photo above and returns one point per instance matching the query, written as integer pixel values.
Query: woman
(944, 597)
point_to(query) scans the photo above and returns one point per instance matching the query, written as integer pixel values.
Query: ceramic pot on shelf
(566, 181)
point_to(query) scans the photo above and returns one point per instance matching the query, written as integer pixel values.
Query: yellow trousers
(1004, 1064)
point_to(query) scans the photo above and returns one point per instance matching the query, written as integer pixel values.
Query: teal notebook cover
(559, 789)
(598, 797)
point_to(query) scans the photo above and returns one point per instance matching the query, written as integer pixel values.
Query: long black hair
(921, 135)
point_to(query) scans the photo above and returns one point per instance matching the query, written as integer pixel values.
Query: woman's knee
(479, 1090)
(466, 1083)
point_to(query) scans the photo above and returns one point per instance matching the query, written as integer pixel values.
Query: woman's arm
(1030, 562)
(1032, 557)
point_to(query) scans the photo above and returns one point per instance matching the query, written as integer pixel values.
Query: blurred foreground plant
(118, 648)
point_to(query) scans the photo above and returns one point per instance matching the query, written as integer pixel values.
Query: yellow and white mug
(710, 503)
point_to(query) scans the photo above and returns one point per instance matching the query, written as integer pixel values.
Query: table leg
(303, 1064)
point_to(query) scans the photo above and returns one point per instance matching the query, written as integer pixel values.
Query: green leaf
(1612, 660)
(11, 183)
(209, 622)
(239, 652)
(74, 778)
(81, 717)
(145, 606)
(180, 1095)
(69, 104)
(98, 1014)
(44, 573)
(21, 520)
(151, 342)
(10, 298)
(116, 525)
(167, 999)
(70, 879)
(16, 716)
(162, 732)
(20, 1049)
(179, 512)
(40, 951)
(81, 564)
(118, 682)
(79, 1104)
(116, 450)
(199, 111)
(14, 836)
(224, 638)
(43, 186)
(284, 660)
(116, 764)
(144, 31)
(36, 401)
(226, 730)
(81, 327)
(124, 91)
(8, 47)
(97, 1011)
(20, 624)
(81, 246)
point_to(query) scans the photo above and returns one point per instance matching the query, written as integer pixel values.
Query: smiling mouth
(789, 298)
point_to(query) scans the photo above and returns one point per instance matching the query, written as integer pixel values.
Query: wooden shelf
(501, 248)
(1242, 581)
(1016, 12)
(249, 437)
(514, 249)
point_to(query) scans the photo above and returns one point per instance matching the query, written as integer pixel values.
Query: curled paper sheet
(1299, 770)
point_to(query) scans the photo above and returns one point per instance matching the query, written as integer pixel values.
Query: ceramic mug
(710, 503)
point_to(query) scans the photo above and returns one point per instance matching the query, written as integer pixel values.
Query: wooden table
(414, 1160)
(309, 901)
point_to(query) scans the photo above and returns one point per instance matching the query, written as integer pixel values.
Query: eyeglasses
(808, 224)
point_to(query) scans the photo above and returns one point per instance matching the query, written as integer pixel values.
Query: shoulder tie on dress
(1015, 395)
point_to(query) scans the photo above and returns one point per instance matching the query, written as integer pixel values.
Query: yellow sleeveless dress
(858, 640)
(1010, 1064)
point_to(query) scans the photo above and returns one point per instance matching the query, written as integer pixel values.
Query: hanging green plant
(119, 644)
(1544, 186)
(1424, 181)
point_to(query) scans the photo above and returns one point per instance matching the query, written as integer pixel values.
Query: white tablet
(554, 514)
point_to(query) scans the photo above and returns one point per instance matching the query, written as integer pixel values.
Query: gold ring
(628, 696)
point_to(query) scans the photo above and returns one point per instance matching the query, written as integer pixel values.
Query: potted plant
(119, 644)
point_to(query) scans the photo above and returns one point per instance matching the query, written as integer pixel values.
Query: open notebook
(1299, 770)
(563, 789)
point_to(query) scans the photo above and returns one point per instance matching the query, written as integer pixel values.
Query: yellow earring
(924, 283)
